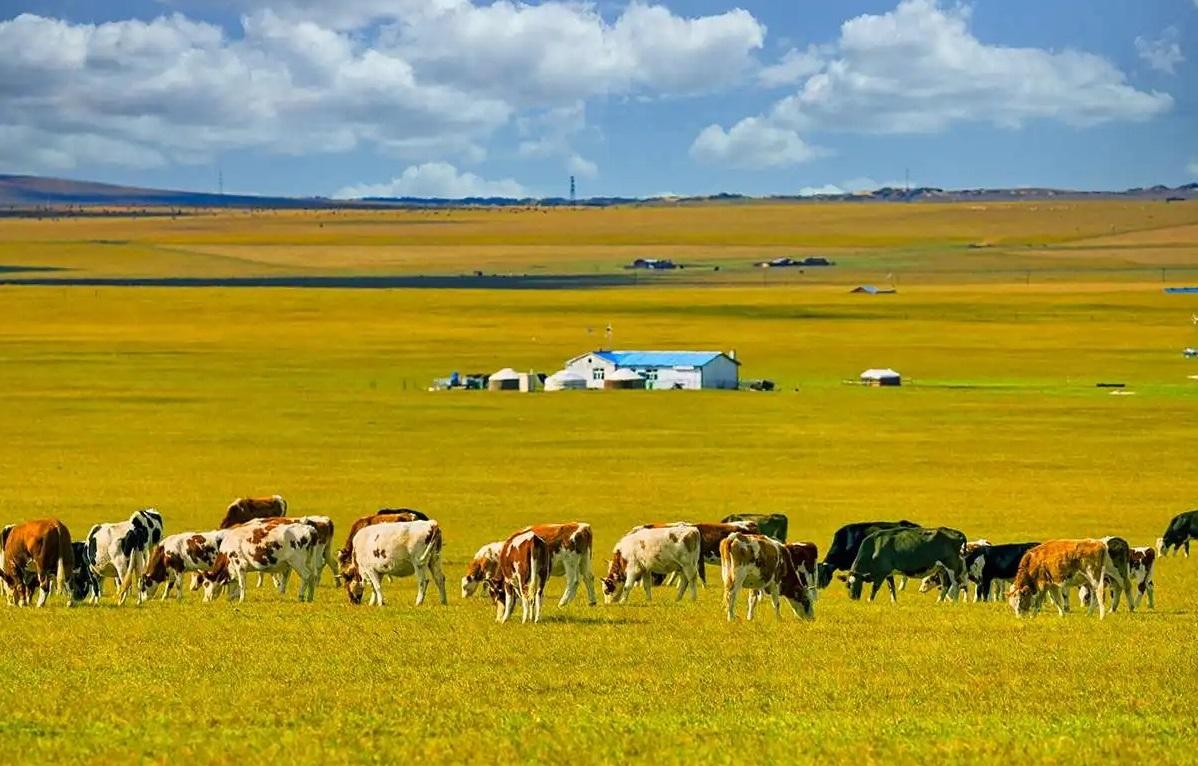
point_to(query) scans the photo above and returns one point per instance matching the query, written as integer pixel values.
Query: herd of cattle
(256, 536)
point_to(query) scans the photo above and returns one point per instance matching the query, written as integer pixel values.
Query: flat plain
(1005, 319)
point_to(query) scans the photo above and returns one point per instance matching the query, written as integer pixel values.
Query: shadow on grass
(577, 619)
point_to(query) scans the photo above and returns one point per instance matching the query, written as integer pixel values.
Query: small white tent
(624, 378)
(881, 377)
(506, 379)
(565, 380)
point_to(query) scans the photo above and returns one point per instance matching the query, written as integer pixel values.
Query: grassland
(185, 398)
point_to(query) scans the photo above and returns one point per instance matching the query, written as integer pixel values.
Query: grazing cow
(175, 556)
(36, 555)
(1142, 566)
(273, 546)
(245, 509)
(383, 516)
(481, 568)
(1182, 529)
(710, 536)
(805, 556)
(570, 549)
(911, 552)
(769, 524)
(845, 544)
(992, 567)
(974, 554)
(765, 566)
(1050, 568)
(644, 552)
(525, 562)
(83, 582)
(396, 549)
(121, 550)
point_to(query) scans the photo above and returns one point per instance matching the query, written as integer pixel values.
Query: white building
(661, 369)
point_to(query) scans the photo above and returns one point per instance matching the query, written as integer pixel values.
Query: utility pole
(571, 190)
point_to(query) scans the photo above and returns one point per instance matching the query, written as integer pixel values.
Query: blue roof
(658, 358)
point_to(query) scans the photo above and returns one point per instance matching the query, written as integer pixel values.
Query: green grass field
(118, 398)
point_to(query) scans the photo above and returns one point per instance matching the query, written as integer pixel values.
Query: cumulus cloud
(415, 79)
(919, 69)
(581, 166)
(436, 179)
(1192, 168)
(1164, 53)
(794, 67)
(751, 144)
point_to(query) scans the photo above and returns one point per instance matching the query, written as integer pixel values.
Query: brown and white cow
(481, 568)
(805, 557)
(395, 549)
(36, 555)
(710, 537)
(570, 548)
(642, 553)
(175, 556)
(525, 562)
(1050, 568)
(381, 517)
(272, 546)
(763, 565)
(245, 509)
(1142, 567)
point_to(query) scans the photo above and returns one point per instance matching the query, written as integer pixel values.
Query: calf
(1181, 530)
(646, 552)
(83, 582)
(525, 561)
(1050, 568)
(274, 546)
(1142, 566)
(764, 565)
(120, 550)
(175, 556)
(383, 516)
(845, 544)
(396, 549)
(481, 568)
(771, 525)
(40, 548)
(910, 552)
(245, 509)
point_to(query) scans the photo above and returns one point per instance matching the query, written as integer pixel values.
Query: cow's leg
(439, 579)
(1115, 593)
(376, 586)
(570, 564)
(1187, 547)
(776, 596)
(876, 586)
(902, 582)
(647, 583)
(683, 583)
(500, 604)
(240, 581)
(125, 580)
(588, 579)
(753, 596)
(731, 589)
(1150, 589)
(422, 579)
(1098, 593)
(261, 578)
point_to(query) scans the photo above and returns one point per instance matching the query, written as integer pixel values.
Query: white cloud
(919, 69)
(1192, 168)
(436, 179)
(581, 166)
(795, 66)
(1164, 53)
(752, 144)
(815, 191)
(415, 79)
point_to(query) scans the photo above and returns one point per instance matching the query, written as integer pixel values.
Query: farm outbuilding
(624, 379)
(881, 377)
(660, 369)
(565, 380)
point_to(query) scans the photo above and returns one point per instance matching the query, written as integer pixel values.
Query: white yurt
(881, 377)
(624, 378)
(565, 380)
(506, 379)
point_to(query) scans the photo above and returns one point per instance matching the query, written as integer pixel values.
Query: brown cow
(244, 509)
(1052, 567)
(44, 546)
(524, 566)
(570, 551)
(765, 566)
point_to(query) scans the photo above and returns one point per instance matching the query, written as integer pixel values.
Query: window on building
(649, 374)
(597, 373)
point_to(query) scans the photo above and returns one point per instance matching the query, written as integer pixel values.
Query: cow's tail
(66, 564)
(433, 546)
(330, 556)
(282, 504)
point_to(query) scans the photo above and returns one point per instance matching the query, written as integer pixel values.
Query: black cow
(910, 552)
(1182, 529)
(845, 544)
(83, 582)
(987, 563)
(771, 525)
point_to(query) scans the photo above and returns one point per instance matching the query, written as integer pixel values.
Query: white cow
(398, 549)
(121, 551)
(272, 546)
(642, 553)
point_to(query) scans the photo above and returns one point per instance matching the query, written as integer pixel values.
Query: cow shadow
(583, 619)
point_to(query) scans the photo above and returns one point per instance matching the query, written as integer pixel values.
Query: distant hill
(24, 193)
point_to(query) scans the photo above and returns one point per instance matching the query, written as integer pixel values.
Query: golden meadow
(1007, 316)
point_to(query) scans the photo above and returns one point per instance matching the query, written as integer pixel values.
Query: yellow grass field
(184, 398)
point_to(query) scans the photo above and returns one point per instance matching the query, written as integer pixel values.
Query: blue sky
(463, 97)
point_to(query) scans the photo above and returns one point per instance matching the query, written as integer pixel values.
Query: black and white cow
(121, 550)
(83, 582)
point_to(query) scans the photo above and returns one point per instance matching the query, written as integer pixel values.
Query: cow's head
(215, 579)
(351, 576)
(476, 574)
(929, 582)
(854, 582)
(613, 583)
(823, 574)
(1020, 600)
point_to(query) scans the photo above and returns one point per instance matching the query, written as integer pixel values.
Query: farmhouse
(660, 369)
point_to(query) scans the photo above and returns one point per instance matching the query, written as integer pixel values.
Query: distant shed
(881, 377)
(873, 290)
